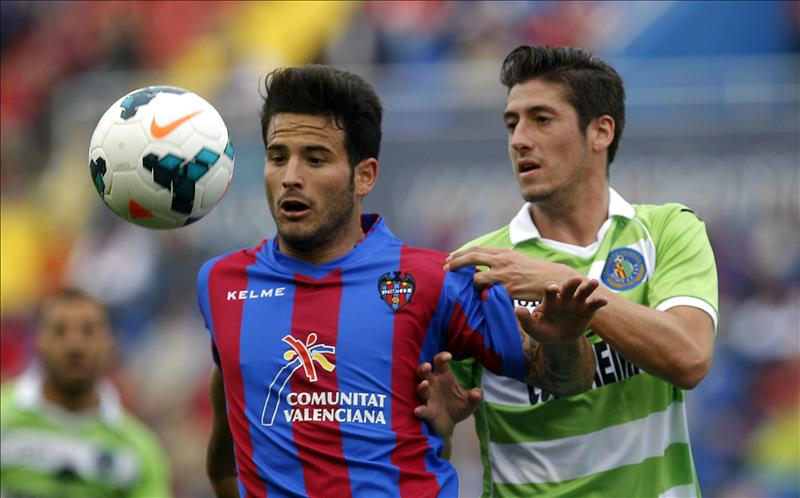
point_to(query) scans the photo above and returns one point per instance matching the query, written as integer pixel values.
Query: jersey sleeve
(482, 326)
(685, 271)
(205, 305)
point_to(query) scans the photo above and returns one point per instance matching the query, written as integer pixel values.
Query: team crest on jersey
(396, 289)
(624, 269)
(306, 355)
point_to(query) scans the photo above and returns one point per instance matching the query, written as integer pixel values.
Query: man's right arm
(220, 463)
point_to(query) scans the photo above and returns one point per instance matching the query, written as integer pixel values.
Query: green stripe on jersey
(608, 441)
(648, 479)
(593, 410)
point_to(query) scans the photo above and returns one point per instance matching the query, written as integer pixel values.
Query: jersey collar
(28, 393)
(376, 235)
(522, 228)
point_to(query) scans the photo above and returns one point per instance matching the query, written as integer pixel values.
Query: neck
(74, 401)
(342, 242)
(572, 219)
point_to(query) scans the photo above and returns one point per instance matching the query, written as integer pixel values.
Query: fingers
(586, 288)
(476, 249)
(469, 259)
(475, 396)
(441, 362)
(423, 412)
(424, 390)
(597, 303)
(524, 317)
(550, 291)
(570, 286)
(424, 371)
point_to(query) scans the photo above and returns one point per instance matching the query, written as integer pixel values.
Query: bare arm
(558, 357)
(220, 464)
(674, 345)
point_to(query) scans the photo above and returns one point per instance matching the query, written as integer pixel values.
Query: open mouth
(294, 208)
(526, 166)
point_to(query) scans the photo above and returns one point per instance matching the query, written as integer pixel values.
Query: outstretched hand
(564, 314)
(445, 403)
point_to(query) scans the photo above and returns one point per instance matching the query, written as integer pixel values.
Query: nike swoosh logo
(162, 131)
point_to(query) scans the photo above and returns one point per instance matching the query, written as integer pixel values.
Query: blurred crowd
(745, 416)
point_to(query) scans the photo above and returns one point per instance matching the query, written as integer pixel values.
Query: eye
(510, 125)
(276, 159)
(543, 119)
(316, 161)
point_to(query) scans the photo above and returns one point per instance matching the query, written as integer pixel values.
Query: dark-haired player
(627, 436)
(63, 429)
(317, 332)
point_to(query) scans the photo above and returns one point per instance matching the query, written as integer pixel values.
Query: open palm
(564, 314)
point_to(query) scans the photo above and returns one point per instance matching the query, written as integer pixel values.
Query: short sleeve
(685, 271)
(482, 326)
(205, 306)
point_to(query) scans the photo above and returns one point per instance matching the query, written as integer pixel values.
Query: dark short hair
(592, 87)
(68, 294)
(345, 98)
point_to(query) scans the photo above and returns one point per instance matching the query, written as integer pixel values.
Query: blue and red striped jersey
(319, 363)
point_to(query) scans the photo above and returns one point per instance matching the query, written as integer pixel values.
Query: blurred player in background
(317, 333)
(63, 428)
(565, 113)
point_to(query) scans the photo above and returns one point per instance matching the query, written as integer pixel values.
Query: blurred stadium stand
(713, 122)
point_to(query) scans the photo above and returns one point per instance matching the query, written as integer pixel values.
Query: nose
(521, 139)
(292, 176)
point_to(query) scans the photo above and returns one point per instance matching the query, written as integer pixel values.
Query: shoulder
(498, 238)
(660, 218)
(137, 435)
(423, 257)
(236, 258)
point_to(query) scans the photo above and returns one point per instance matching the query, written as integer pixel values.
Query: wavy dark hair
(346, 99)
(592, 87)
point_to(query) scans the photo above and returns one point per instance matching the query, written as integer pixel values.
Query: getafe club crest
(396, 289)
(624, 269)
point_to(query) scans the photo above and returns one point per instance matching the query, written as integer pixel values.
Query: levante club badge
(396, 289)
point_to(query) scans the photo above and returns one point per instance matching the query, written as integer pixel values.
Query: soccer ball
(160, 157)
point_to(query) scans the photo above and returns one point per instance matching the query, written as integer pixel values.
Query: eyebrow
(530, 110)
(306, 149)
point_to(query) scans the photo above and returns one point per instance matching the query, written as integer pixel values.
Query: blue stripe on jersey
(265, 321)
(202, 292)
(363, 367)
(433, 342)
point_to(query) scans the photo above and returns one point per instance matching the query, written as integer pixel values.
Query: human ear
(365, 176)
(601, 132)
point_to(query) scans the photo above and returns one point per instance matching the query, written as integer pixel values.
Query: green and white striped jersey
(627, 436)
(50, 452)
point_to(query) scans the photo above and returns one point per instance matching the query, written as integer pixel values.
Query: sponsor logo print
(624, 269)
(300, 355)
(236, 295)
(396, 289)
(317, 406)
(162, 131)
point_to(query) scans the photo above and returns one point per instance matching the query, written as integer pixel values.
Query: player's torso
(41, 457)
(327, 365)
(564, 441)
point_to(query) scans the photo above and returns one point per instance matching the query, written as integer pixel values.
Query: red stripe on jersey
(410, 324)
(228, 274)
(463, 340)
(319, 443)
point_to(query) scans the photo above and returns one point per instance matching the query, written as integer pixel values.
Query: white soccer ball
(160, 157)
